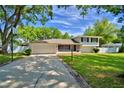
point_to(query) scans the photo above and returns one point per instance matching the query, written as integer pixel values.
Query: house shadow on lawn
(42, 72)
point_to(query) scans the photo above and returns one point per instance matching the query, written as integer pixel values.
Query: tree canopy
(30, 33)
(121, 38)
(103, 28)
(13, 15)
(117, 10)
(66, 36)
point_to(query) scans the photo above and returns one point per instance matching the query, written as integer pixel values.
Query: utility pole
(14, 32)
(72, 54)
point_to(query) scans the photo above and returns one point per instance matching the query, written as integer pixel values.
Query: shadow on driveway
(37, 71)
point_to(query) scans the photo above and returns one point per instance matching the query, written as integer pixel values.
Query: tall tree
(117, 10)
(27, 33)
(121, 37)
(56, 33)
(114, 9)
(0, 38)
(30, 33)
(66, 36)
(47, 34)
(103, 28)
(14, 15)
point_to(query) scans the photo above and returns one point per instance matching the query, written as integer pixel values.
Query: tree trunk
(5, 42)
(5, 47)
(122, 47)
(10, 21)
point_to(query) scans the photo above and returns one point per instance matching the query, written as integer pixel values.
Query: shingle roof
(60, 41)
(56, 41)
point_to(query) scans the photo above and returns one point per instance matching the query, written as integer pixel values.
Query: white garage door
(43, 48)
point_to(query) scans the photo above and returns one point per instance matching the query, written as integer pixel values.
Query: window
(64, 47)
(84, 39)
(87, 39)
(81, 39)
(94, 39)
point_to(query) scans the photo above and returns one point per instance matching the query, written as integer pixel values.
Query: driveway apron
(36, 72)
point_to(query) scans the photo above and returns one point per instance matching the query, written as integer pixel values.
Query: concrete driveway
(36, 71)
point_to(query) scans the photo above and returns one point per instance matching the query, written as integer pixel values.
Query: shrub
(121, 49)
(96, 50)
(27, 52)
(0, 51)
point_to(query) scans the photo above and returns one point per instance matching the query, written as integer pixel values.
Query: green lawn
(99, 70)
(6, 58)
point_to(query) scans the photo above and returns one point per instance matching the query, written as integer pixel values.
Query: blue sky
(71, 21)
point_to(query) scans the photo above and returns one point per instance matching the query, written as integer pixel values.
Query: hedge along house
(54, 46)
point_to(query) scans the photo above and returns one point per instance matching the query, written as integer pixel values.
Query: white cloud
(72, 33)
(70, 20)
(71, 13)
(83, 28)
(68, 31)
(61, 22)
(114, 20)
(76, 17)
(77, 33)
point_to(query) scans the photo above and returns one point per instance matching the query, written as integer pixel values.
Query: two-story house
(76, 44)
(87, 43)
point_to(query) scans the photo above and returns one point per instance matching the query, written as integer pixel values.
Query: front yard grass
(7, 58)
(99, 70)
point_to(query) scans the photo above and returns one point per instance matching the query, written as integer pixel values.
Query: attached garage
(43, 48)
(53, 46)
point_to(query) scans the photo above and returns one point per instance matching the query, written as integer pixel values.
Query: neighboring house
(110, 48)
(16, 48)
(77, 44)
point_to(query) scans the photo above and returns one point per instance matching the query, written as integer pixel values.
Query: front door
(74, 47)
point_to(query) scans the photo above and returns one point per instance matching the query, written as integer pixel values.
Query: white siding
(109, 50)
(87, 43)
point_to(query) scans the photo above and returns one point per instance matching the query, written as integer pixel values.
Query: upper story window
(84, 39)
(81, 39)
(88, 39)
(94, 39)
